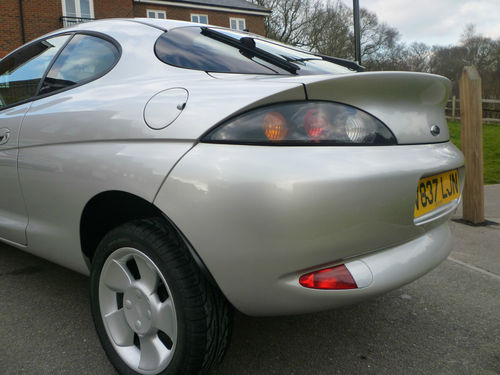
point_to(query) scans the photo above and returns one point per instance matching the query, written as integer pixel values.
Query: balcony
(71, 21)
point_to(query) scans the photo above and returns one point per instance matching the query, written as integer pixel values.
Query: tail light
(303, 123)
(337, 277)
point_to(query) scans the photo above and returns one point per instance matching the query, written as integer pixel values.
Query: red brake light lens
(316, 123)
(337, 277)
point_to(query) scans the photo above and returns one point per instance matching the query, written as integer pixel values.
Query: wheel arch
(110, 209)
(106, 211)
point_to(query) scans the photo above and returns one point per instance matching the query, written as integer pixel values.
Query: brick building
(24, 20)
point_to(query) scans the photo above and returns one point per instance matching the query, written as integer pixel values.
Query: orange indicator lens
(275, 126)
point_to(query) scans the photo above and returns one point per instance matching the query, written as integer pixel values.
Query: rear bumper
(382, 271)
(259, 217)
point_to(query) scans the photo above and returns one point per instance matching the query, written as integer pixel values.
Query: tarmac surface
(447, 322)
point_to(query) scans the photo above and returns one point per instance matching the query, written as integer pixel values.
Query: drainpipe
(22, 21)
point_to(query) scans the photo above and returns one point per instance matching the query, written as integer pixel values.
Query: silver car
(190, 169)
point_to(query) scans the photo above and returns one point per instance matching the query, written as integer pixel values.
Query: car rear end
(261, 216)
(305, 204)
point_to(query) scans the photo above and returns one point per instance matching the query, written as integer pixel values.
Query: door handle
(4, 135)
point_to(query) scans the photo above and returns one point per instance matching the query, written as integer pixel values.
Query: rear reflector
(337, 277)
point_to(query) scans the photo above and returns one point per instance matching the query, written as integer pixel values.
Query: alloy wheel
(138, 310)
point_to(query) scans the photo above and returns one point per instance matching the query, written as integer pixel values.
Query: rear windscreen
(191, 48)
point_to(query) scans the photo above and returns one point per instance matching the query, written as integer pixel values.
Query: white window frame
(198, 15)
(156, 12)
(237, 20)
(78, 10)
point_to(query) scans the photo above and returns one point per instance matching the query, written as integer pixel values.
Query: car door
(20, 75)
(13, 217)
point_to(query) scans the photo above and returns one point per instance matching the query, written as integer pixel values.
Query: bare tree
(478, 50)
(330, 33)
(418, 57)
(377, 39)
(288, 20)
(327, 27)
(473, 49)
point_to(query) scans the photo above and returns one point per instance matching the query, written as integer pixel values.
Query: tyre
(154, 311)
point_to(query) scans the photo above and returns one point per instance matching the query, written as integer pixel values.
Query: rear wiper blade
(353, 65)
(317, 58)
(336, 60)
(247, 45)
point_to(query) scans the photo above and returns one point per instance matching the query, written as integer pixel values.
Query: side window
(21, 72)
(84, 58)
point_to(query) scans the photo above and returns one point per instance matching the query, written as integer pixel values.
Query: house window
(160, 14)
(77, 11)
(237, 23)
(199, 18)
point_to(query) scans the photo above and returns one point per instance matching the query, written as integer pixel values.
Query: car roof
(103, 26)
(164, 24)
(100, 25)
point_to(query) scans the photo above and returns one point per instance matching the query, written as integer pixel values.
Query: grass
(491, 149)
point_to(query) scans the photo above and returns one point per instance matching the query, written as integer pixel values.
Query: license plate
(435, 191)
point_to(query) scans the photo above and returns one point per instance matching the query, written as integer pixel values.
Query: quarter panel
(58, 181)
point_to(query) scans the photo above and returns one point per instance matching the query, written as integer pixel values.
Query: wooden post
(472, 145)
(453, 107)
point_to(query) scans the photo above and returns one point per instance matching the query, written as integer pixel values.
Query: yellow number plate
(434, 191)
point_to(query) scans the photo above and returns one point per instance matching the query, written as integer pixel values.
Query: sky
(436, 21)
